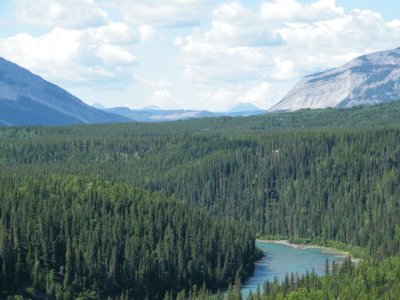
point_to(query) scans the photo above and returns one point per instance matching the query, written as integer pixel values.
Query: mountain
(27, 99)
(369, 79)
(244, 107)
(155, 114)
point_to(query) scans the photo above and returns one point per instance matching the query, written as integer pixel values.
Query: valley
(195, 150)
(203, 188)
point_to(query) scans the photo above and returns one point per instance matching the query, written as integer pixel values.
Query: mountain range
(157, 114)
(369, 79)
(27, 99)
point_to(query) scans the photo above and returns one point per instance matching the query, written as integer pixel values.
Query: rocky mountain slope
(369, 79)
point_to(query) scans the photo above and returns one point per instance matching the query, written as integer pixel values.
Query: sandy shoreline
(307, 246)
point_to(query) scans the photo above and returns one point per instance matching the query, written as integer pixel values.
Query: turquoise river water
(280, 259)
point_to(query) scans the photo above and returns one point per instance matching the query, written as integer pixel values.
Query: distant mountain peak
(368, 79)
(244, 107)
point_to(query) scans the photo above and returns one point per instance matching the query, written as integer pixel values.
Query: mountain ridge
(244, 107)
(366, 80)
(166, 115)
(28, 99)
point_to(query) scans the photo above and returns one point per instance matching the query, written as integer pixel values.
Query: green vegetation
(180, 203)
(64, 235)
(369, 280)
(346, 249)
(337, 185)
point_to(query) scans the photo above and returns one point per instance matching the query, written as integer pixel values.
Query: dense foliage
(63, 235)
(369, 280)
(333, 184)
(326, 181)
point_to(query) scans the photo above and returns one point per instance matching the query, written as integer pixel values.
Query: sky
(192, 54)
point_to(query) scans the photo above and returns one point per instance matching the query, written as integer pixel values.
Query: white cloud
(93, 55)
(280, 11)
(236, 26)
(168, 13)
(147, 33)
(278, 43)
(233, 54)
(261, 94)
(162, 98)
(113, 33)
(62, 13)
(220, 98)
(395, 24)
(283, 69)
(153, 84)
(114, 56)
(204, 63)
(256, 94)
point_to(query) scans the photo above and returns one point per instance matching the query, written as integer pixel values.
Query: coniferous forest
(137, 211)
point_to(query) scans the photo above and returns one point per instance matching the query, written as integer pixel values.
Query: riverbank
(312, 246)
(282, 260)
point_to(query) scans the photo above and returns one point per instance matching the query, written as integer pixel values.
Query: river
(280, 259)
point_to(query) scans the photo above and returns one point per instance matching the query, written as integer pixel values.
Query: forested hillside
(336, 185)
(369, 280)
(149, 184)
(64, 235)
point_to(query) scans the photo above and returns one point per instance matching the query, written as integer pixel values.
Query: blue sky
(196, 54)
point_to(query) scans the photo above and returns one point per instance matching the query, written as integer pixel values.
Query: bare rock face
(369, 79)
(27, 99)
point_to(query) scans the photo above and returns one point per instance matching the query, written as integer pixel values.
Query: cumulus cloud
(92, 55)
(115, 56)
(232, 54)
(112, 33)
(153, 84)
(162, 98)
(204, 63)
(146, 32)
(257, 95)
(237, 26)
(395, 24)
(168, 13)
(283, 69)
(220, 98)
(280, 11)
(262, 94)
(62, 13)
(279, 42)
